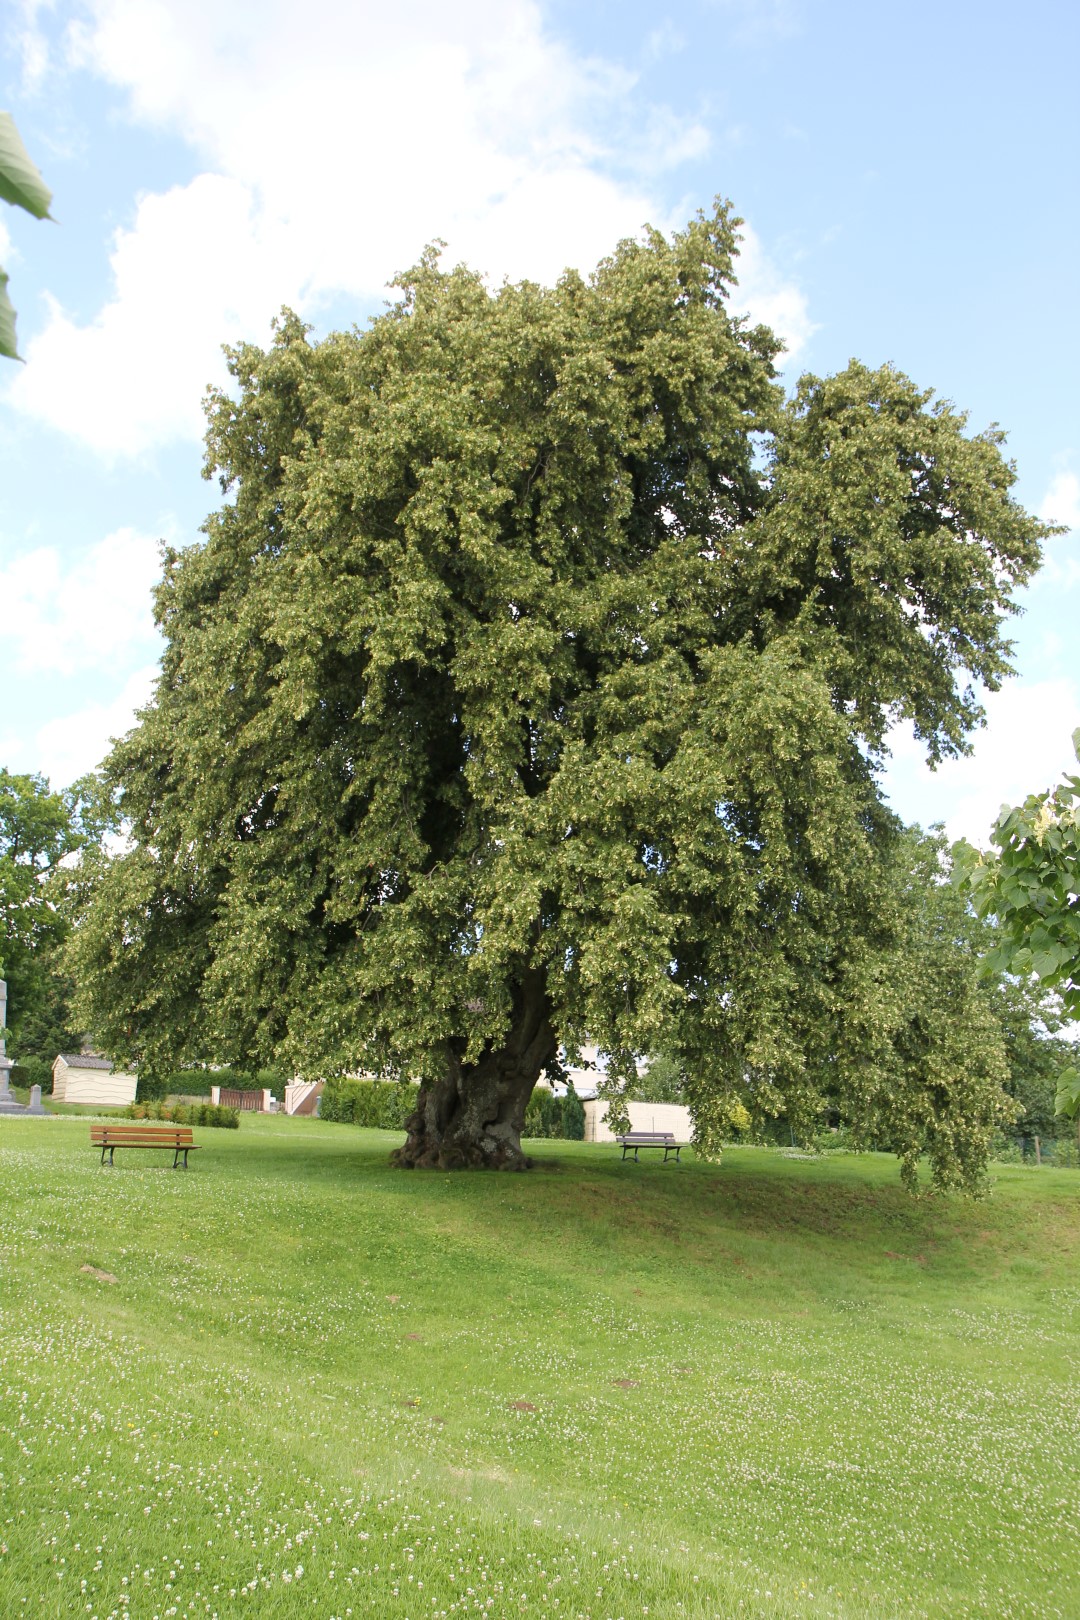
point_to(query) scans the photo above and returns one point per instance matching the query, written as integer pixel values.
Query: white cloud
(333, 149)
(72, 744)
(1061, 563)
(195, 268)
(1024, 749)
(1061, 503)
(768, 297)
(93, 613)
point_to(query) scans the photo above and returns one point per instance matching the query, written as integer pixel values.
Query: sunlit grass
(319, 1386)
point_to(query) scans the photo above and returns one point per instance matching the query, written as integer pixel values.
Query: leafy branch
(22, 186)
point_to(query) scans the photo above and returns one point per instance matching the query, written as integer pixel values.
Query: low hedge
(385, 1105)
(379, 1104)
(227, 1119)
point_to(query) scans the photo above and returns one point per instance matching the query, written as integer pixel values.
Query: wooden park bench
(174, 1138)
(633, 1140)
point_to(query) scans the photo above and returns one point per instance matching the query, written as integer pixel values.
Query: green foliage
(573, 1117)
(1029, 884)
(541, 637)
(1039, 1059)
(22, 186)
(556, 1118)
(661, 1081)
(32, 1071)
(212, 1114)
(378, 1104)
(918, 1064)
(40, 831)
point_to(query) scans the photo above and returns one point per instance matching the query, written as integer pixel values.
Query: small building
(87, 1078)
(644, 1116)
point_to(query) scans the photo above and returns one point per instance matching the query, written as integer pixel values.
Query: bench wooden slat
(141, 1133)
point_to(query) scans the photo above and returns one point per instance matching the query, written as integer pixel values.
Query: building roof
(84, 1060)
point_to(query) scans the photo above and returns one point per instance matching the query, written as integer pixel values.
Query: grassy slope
(768, 1388)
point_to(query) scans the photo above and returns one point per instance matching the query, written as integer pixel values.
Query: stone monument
(8, 1105)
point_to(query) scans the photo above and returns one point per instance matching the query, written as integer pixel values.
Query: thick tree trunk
(472, 1117)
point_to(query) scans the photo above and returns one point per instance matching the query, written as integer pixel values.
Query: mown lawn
(321, 1387)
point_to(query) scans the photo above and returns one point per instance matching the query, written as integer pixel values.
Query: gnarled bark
(472, 1117)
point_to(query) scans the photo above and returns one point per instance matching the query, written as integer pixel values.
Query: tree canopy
(528, 686)
(39, 831)
(1030, 884)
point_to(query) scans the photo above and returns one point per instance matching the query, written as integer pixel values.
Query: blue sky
(907, 176)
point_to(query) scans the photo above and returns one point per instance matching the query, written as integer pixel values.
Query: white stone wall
(95, 1086)
(644, 1116)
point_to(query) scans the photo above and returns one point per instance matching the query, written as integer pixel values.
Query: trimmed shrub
(377, 1104)
(197, 1113)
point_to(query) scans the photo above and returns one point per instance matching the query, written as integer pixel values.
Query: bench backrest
(643, 1137)
(141, 1135)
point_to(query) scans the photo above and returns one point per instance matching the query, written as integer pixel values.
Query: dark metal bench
(633, 1140)
(174, 1138)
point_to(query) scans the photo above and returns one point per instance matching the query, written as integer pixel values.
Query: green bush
(385, 1105)
(198, 1113)
(556, 1118)
(378, 1104)
(32, 1071)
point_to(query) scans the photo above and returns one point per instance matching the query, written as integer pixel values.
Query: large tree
(527, 686)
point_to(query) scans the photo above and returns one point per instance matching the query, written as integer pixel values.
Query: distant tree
(40, 831)
(527, 689)
(1039, 1058)
(22, 186)
(1030, 884)
(660, 1080)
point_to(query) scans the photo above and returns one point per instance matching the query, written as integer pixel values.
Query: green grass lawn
(321, 1387)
